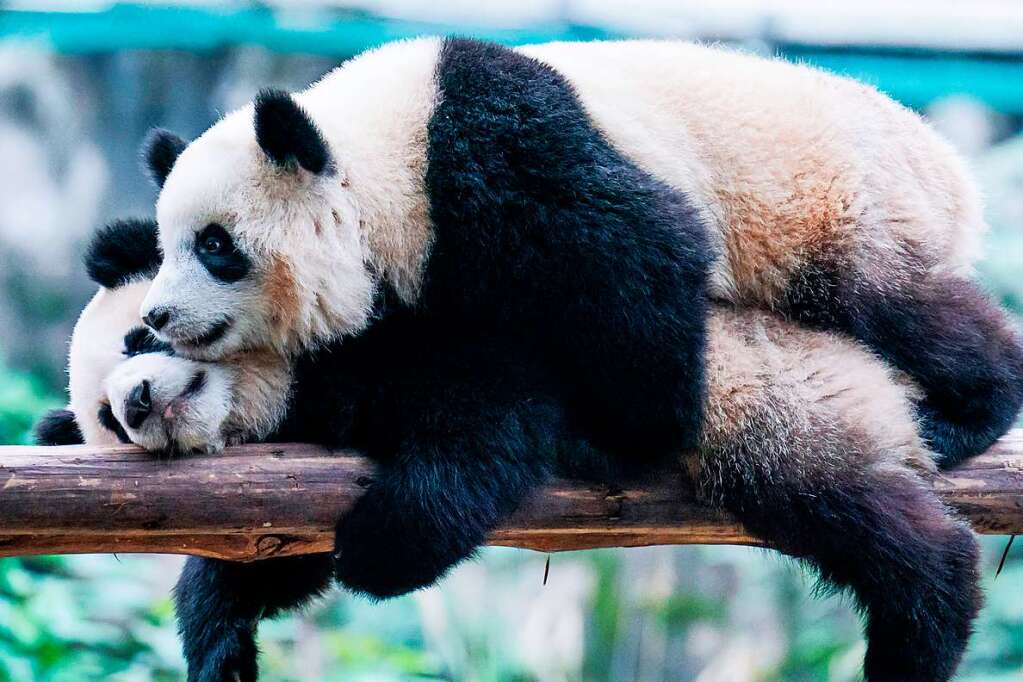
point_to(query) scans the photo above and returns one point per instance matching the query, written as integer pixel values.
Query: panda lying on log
(806, 437)
(589, 197)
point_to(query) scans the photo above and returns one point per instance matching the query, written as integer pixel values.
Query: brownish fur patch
(765, 243)
(262, 387)
(281, 291)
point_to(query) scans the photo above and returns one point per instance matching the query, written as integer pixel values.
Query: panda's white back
(779, 155)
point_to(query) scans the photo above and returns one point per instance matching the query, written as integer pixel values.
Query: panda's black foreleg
(219, 605)
(873, 529)
(946, 334)
(446, 487)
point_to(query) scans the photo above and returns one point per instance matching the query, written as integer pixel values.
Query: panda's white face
(166, 403)
(124, 387)
(257, 253)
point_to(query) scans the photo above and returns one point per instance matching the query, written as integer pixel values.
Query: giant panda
(807, 438)
(594, 194)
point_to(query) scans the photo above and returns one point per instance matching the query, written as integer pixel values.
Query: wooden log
(258, 501)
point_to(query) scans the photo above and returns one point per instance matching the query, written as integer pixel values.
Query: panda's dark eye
(214, 240)
(213, 245)
(218, 253)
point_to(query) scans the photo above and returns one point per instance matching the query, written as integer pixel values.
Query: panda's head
(260, 236)
(124, 384)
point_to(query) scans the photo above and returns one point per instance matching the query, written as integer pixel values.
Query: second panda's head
(260, 236)
(124, 384)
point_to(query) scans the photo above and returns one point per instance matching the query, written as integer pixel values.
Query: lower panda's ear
(123, 251)
(287, 135)
(58, 427)
(159, 152)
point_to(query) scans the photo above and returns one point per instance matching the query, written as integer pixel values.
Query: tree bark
(259, 501)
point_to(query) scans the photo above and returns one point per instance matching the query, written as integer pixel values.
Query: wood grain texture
(259, 501)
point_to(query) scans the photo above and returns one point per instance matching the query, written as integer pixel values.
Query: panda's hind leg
(219, 605)
(942, 331)
(909, 563)
(809, 442)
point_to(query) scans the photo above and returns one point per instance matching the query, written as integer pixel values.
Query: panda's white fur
(96, 351)
(783, 159)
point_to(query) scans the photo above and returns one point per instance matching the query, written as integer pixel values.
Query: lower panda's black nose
(138, 406)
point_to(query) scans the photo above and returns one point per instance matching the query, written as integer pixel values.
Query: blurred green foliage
(22, 400)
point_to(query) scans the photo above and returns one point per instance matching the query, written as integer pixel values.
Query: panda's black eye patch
(109, 421)
(140, 341)
(216, 250)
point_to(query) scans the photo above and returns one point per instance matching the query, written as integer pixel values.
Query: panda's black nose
(138, 406)
(157, 318)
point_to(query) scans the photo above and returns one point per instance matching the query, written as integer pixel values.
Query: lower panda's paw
(231, 658)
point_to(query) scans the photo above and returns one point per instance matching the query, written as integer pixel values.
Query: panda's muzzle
(139, 405)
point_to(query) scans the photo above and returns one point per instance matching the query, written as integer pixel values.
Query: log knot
(269, 545)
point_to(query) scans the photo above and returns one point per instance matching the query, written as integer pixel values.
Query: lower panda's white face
(167, 403)
(127, 386)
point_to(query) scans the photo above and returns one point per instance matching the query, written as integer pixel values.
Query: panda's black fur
(57, 427)
(140, 341)
(463, 422)
(542, 225)
(287, 135)
(160, 150)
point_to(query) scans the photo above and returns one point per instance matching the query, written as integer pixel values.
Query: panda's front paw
(231, 657)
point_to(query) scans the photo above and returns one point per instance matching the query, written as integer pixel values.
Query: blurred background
(81, 82)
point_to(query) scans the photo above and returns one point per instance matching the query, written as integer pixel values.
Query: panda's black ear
(159, 152)
(58, 427)
(287, 135)
(123, 251)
